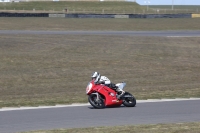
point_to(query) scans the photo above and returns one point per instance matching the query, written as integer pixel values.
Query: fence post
(102, 11)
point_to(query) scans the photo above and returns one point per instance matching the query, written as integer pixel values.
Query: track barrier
(121, 16)
(63, 15)
(57, 15)
(6, 14)
(195, 15)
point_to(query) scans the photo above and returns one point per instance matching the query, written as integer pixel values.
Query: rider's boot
(121, 93)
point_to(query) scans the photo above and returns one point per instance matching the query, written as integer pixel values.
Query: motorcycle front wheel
(129, 100)
(99, 104)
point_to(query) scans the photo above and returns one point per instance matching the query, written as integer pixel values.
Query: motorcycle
(101, 96)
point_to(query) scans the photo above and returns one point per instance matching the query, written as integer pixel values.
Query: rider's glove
(101, 82)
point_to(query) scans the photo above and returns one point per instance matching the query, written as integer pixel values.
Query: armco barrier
(57, 15)
(195, 15)
(6, 14)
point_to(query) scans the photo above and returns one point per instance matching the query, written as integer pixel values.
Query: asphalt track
(86, 116)
(46, 118)
(129, 33)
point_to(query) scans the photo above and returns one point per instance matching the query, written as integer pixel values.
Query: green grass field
(107, 7)
(74, 7)
(55, 69)
(63, 24)
(157, 128)
(77, 5)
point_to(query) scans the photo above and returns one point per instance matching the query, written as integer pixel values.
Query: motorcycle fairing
(110, 96)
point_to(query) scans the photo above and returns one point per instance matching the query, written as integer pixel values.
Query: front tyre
(129, 100)
(99, 104)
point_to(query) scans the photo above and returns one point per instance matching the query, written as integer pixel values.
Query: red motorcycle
(101, 96)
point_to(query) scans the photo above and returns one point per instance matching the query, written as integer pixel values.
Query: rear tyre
(129, 100)
(98, 104)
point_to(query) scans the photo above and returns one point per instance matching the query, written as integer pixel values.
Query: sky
(168, 2)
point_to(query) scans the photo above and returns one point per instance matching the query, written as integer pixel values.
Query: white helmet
(96, 76)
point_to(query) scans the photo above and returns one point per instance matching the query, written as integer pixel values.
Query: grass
(158, 128)
(55, 69)
(107, 7)
(64, 24)
(77, 6)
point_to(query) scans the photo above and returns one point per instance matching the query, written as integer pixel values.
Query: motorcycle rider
(98, 79)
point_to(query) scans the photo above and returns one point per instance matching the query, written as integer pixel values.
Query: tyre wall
(6, 14)
(128, 15)
(89, 16)
(62, 15)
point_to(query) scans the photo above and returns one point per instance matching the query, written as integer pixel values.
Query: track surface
(130, 33)
(86, 116)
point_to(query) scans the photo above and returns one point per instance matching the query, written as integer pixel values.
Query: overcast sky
(169, 2)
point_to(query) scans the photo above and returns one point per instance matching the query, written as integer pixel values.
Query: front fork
(97, 96)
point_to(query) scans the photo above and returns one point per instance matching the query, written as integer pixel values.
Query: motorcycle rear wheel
(129, 101)
(99, 104)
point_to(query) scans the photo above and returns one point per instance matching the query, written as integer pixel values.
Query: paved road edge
(87, 104)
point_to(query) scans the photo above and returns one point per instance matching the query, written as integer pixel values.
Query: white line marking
(87, 104)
